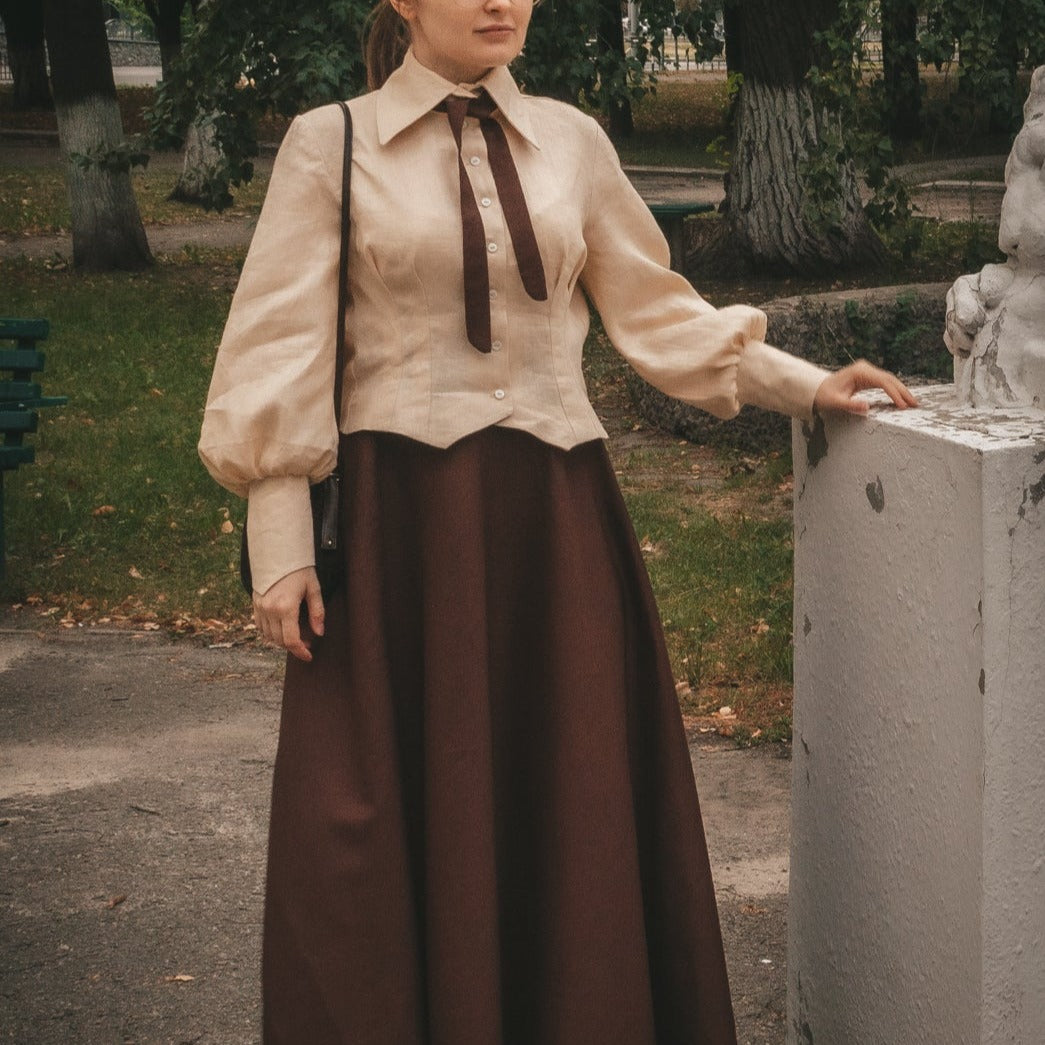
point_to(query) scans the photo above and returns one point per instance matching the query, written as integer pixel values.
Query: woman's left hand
(837, 392)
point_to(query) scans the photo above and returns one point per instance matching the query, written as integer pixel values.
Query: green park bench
(20, 398)
(671, 217)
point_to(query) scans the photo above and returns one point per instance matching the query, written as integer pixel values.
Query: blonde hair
(386, 40)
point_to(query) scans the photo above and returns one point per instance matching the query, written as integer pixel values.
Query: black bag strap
(342, 274)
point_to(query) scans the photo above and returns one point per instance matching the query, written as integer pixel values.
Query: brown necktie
(516, 216)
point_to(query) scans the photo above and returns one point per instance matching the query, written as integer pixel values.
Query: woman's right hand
(277, 613)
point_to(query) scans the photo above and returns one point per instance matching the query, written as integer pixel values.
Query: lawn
(117, 521)
(116, 518)
(34, 201)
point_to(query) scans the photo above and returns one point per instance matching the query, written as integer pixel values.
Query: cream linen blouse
(269, 428)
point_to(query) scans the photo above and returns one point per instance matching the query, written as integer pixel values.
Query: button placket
(480, 175)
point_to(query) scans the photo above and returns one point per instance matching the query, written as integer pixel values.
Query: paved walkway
(134, 780)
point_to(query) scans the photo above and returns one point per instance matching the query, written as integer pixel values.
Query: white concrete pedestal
(917, 909)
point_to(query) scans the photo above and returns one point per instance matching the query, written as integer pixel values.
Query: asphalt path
(134, 785)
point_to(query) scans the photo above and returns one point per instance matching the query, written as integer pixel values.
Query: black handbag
(326, 494)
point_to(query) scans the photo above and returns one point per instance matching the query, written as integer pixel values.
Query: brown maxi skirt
(485, 829)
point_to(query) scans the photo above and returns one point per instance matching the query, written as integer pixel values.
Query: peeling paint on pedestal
(918, 891)
(876, 495)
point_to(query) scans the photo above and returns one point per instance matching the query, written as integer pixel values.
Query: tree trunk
(903, 94)
(24, 23)
(203, 158)
(611, 41)
(166, 19)
(1006, 116)
(790, 205)
(106, 225)
(734, 35)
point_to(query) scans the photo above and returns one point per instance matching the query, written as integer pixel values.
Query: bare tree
(106, 225)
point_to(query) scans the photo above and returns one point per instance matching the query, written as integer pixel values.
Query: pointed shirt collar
(413, 90)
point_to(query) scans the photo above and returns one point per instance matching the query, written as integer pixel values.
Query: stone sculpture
(995, 326)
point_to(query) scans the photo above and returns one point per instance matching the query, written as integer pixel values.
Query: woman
(484, 825)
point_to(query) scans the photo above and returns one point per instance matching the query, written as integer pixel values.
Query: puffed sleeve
(269, 428)
(715, 359)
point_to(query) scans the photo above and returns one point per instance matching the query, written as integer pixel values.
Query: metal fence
(119, 29)
(678, 54)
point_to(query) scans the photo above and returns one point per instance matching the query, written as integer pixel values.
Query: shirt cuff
(279, 529)
(776, 380)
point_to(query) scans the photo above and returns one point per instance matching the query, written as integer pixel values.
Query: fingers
(316, 611)
(293, 642)
(867, 375)
(838, 392)
(282, 629)
(277, 612)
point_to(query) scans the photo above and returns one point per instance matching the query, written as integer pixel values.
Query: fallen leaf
(116, 901)
(134, 572)
(227, 526)
(103, 509)
(760, 628)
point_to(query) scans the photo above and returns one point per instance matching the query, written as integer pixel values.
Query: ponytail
(386, 41)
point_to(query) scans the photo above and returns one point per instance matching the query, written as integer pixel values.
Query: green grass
(680, 124)
(117, 516)
(35, 202)
(723, 585)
